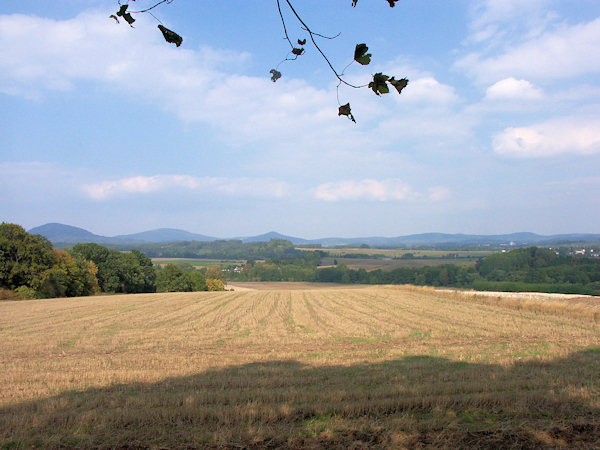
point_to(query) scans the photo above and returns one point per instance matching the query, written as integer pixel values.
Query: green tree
(119, 272)
(69, 277)
(173, 278)
(23, 257)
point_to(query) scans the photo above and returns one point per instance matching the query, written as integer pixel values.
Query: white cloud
(387, 190)
(489, 11)
(439, 193)
(208, 87)
(428, 89)
(374, 190)
(567, 51)
(555, 137)
(513, 89)
(240, 187)
(497, 22)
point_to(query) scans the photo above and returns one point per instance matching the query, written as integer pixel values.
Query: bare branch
(312, 38)
(152, 7)
(322, 36)
(283, 23)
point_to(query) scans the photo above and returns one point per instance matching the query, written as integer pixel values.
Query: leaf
(378, 85)
(360, 54)
(354, 2)
(392, 3)
(297, 51)
(128, 18)
(399, 84)
(345, 110)
(112, 16)
(301, 42)
(275, 75)
(122, 12)
(170, 36)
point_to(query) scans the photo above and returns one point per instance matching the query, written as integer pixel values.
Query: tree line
(220, 249)
(31, 268)
(526, 269)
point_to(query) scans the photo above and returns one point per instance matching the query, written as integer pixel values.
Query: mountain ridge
(67, 234)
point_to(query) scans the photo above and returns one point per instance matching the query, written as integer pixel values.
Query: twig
(152, 7)
(311, 34)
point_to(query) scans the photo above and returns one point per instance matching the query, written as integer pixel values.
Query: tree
(379, 83)
(119, 272)
(173, 278)
(70, 276)
(23, 257)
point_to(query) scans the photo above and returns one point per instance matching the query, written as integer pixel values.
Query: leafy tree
(215, 273)
(379, 83)
(173, 278)
(23, 257)
(214, 284)
(68, 277)
(119, 272)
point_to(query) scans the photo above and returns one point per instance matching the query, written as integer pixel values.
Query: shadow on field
(412, 402)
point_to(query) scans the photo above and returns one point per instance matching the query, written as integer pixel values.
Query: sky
(112, 129)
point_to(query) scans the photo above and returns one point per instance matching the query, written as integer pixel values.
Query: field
(197, 263)
(400, 252)
(330, 367)
(390, 259)
(390, 264)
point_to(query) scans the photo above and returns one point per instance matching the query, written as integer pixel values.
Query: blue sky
(111, 129)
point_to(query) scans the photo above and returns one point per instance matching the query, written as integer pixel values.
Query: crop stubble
(377, 366)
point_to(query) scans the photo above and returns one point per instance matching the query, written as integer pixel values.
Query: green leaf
(275, 75)
(378, 85)
(301, 42)
(399, 84)
(360, 54)
(170, 36)
(128, 18)
(122, 12)
(345, 110)
(297, 51)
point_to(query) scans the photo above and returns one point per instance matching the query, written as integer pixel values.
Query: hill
(165, 235)
(66, 234)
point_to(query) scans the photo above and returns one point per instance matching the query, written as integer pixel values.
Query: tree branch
(152, 7)
(312, 34)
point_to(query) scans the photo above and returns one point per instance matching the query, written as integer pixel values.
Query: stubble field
(372, 366)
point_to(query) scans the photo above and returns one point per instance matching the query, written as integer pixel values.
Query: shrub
(26, 293)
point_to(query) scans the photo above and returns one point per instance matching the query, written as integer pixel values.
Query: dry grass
(374, 366)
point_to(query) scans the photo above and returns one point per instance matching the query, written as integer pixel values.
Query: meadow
(374, 366)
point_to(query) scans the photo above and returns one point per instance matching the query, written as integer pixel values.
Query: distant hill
(58, 232)
(66, 235)
(165, 235)
(274, 235)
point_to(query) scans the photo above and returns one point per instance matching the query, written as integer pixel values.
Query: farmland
(393, 258)
(378, 366)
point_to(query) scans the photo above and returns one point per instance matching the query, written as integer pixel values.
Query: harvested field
(370, 366)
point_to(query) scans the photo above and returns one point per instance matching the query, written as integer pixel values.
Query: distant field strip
(378, 366)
